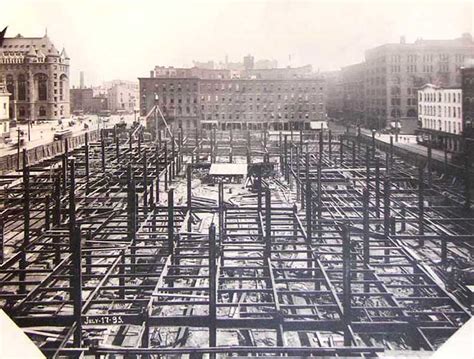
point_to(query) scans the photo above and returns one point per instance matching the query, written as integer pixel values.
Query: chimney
(81, 81)
(402, 40)
(152, 73)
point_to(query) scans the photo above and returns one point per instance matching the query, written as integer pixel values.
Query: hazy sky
(125, 39)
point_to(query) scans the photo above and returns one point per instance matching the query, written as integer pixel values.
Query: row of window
(440, 111)
(444, 126)
(439, 97)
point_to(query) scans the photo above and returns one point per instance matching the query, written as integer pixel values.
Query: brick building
(36, 76)
(467, 86)
(83, 100)
(353, 94)
(393, 73)
(236, 103)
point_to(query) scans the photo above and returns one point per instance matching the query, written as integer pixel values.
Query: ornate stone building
(36, 75)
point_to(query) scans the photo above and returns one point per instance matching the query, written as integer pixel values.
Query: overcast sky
(125, 39)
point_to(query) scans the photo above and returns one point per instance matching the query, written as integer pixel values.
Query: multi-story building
(394, 72)
(353, 99)
(440, 116)
(467, 86)
(36, 76)
(4, 112)
(83, 100)
(236, 103)
(202, 73)
(123, 97)
(334, 93)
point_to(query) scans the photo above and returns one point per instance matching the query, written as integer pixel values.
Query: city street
(43, 133)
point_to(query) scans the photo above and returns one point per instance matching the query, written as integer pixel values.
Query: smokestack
(81, 81)
(152, 73)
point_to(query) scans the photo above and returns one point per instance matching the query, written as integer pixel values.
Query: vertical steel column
(330, 145)
(403, 214)
(26, 222)
(189, 198)
(72, 197)
(221, 211)
(320, 198)
(268, 225)
(259, 188)
(285, 158)
(145, 183)
(391, 149)
(346, 283)
(76, 283)
(212, 288)
(166, 166)
(421, 206)
(2, 239)
(386, 216)
(173, 159)
(117, 150)
(377, 188)
(341, 150)
(171, 247)
(102, 149)
(57, 217)
(321, 143)
(308, 200)
(366, 224)
(298, 178)
(429, 163)
(373, 144)
(88, 245)
(64, 164)
(157, 173)
(131, 215)
(47, 222)
(353, 154)
(86, 159)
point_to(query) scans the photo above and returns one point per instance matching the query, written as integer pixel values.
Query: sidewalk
(408, 142)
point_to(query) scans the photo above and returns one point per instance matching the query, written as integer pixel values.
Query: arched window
(21, 112)
(42, 87)
(62, 87)
(10, 87)
(21, 87)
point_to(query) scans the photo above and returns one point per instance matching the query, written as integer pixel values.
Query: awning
(228, 169)
(316, 125)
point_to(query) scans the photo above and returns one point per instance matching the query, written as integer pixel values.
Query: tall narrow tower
(81, 81)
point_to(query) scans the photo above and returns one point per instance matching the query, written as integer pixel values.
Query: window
(21, 87)
(42, 87)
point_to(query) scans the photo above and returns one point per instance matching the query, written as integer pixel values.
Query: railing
(11, 162)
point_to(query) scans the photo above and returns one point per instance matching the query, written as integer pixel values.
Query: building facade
(440, 116)
(353, 94)
(36, 75)
(4, 112)
(334, 93)
(123, 97)
(202, 73)
(393, 73)
(85, 101)
(235, 103)
(467, 85)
